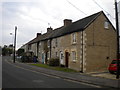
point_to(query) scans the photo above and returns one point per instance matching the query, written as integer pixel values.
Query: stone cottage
(86, 45)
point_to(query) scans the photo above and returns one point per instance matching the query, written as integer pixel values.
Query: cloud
(33, 16)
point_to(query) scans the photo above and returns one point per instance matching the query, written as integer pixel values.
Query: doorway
(66, 58)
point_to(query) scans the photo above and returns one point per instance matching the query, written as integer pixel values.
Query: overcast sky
(35, 16)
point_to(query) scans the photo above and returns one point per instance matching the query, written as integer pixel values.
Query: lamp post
(117, 29)
(11, 43)
(14, 44)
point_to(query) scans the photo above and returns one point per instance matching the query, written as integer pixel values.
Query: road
(15, 77)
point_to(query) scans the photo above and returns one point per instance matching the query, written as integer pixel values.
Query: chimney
(38, 34)
(49, 29)
(67, 22)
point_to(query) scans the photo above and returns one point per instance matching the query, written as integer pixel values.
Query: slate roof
(75, 26)
(79, 25)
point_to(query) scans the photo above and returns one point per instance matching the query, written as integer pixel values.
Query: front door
(66, 58)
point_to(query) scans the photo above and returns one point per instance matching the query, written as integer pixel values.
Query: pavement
(104, 79)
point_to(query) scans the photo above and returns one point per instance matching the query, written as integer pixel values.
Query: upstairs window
(40, 45)
(106, 25)
(48, 43)
(74, 38)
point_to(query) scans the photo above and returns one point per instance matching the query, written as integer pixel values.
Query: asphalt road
(15, 77)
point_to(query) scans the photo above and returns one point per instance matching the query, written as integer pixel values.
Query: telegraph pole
(117, 29)
(14, 44)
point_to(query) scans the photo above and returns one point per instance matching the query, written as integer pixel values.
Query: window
(56, 54)
(74, 38)
(40, 45)
(106, 25)
(61, 58)
(48, 55)
(48, 43)
(73, 56)
(61, 55)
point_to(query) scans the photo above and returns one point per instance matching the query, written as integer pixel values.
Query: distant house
(86, 45)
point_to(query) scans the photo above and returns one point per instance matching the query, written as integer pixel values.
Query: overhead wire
(76, 7)
(102, 9)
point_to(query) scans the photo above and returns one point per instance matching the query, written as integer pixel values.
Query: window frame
(106, 24)
(48, 43)
(74, 38)
(74, 56)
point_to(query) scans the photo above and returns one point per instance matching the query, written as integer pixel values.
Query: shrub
(53, 62)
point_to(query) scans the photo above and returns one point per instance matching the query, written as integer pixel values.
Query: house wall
(25, 47)
(97, 52)
(95, 48)
(41, 53)
(65, 45)
(34, 48)
(100, 46)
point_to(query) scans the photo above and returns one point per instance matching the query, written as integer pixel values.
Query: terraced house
(86, 45)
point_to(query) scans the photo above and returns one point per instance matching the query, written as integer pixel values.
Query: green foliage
(20, 52)
(54, 68)
(54, 62)
(6, 51)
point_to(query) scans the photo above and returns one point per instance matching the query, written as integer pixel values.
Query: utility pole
(117, 29)
(14, 44)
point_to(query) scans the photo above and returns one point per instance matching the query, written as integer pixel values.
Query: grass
(54, 68)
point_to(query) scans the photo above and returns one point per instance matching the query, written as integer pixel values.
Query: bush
(53, 62)
(26, 59)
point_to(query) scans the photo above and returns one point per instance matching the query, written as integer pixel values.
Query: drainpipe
(82, 54)
(50, 47)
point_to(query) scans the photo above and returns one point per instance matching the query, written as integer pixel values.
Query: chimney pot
(38, 34)
(49, 29)
(67, 22)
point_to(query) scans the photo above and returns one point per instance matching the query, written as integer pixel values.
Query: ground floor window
(73, 55)
(48, 55)
(61, 57)
(56, 54)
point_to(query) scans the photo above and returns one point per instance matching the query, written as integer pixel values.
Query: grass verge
(54, 68)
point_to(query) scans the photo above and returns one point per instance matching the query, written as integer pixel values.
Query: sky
(35, 16)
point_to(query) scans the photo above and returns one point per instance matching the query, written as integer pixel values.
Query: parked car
(113, 66)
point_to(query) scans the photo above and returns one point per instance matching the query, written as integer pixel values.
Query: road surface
(16, 77)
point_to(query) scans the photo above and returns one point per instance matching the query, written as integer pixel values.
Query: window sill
(74, 61)
(74, 43)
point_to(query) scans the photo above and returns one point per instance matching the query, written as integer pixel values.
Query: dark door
(66, 59)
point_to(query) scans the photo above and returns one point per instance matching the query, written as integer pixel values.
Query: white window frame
(48, 43)
(61, 57)
(74, 38)
(106, 24)
(74, 55)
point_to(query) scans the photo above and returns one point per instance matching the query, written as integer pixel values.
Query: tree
(20, 52)
(6, 51)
